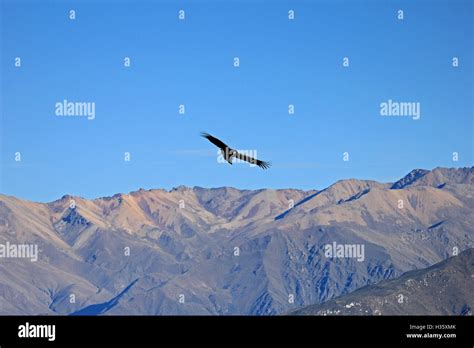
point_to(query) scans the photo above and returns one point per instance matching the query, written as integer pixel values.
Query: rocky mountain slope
(229, 251)
(447, 288)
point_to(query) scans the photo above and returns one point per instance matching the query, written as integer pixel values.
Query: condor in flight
(229, 153)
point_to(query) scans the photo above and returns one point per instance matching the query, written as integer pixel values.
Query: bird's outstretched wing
(214, 140)
(261, 164)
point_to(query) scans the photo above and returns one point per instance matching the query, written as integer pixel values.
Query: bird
(229, 153)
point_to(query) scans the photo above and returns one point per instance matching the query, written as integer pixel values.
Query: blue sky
(282, 62)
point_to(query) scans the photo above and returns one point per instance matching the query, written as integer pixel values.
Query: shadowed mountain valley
(446, 288)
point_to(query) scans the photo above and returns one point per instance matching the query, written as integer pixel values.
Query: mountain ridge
(413, 292)
(184, 187)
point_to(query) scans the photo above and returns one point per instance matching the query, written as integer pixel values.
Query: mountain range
(229, 251)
